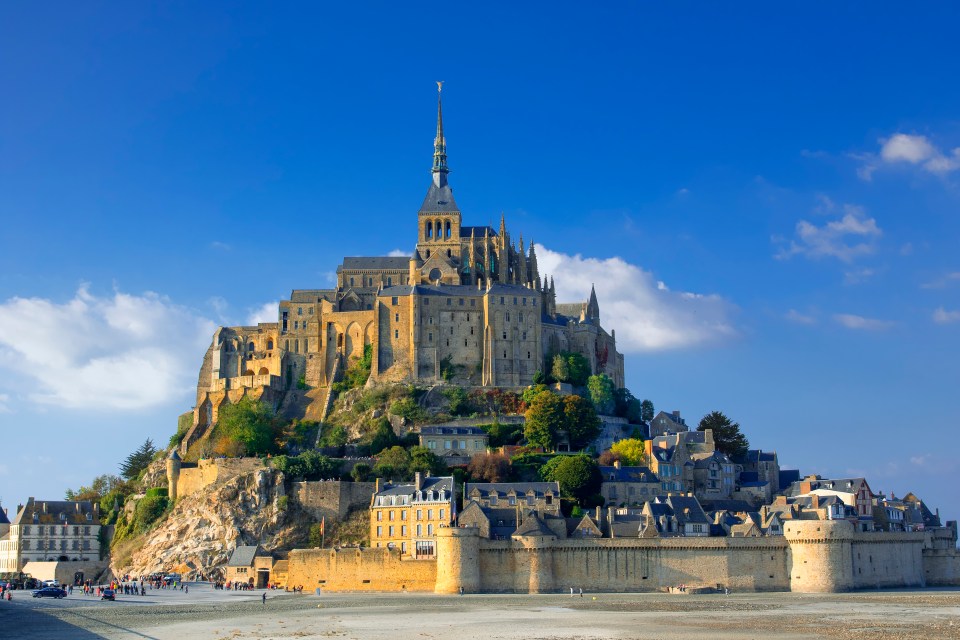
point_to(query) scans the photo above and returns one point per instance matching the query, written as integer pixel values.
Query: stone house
(251, 565)
(664, 423)
(628, 485)
(455, 445)
(765, 465)
(713, 475)
(853, 492)
(407, 516)
(751, 489)
(542, 497)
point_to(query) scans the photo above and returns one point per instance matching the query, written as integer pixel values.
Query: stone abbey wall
(332, 498)
(813, 556)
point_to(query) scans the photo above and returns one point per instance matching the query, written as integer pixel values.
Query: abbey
(469, 304)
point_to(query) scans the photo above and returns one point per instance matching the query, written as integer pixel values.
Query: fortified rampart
(332, 498)
(812, 556)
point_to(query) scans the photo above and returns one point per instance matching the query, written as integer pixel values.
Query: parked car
(109, 594)
(50, 592)
(51, 583)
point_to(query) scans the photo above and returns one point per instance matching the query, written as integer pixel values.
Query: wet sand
(217, 615)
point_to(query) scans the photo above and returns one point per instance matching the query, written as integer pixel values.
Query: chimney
(96, 507)
(616, 464)
(599, 515)
(814, 501)
(611, 515)
(418, 480)
(782, 500)
(376, 486)
(676, 414)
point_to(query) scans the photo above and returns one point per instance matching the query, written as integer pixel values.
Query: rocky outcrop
(204, 528)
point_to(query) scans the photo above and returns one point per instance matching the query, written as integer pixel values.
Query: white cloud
(114, 352)
(399, 253)
(850, 237)
(906, 249)
(795, 316)
(942, 316)
(942, 282)
(645, 313)
(267, 312)
(856, 276)
(905, 148)
(860, 323)
(4, 403)
(220, 246)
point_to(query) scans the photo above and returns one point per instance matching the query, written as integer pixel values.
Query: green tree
(579, 368)
(426, 461)
(580, 421)
(561, 368)
(333, 436)
(646, 411)
(250, 423)
(544, 420)
(726, 435)
(459, 401)
(627, 406)
(383, 437)
(539, 377)
(629, 451)
(578, 475)
(138, 460)
(360, 472)
(101, 486)
(393, 464)
(601, 393)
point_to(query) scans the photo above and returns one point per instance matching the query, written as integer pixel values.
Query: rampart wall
(360, 570)
(194, 478)
(812, 556)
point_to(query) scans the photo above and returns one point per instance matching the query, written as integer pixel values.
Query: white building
(51, 531)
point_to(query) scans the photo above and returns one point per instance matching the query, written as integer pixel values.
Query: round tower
(535, 562)
(820, 559)
(173, 474)
(458, 560)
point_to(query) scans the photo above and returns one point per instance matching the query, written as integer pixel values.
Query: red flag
(323, 521)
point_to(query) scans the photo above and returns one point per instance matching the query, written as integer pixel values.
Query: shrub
(148, 510)
(360, 472)
(248, 423)
(357, 373)
(459, 401)
(408, 409)
(157, 492)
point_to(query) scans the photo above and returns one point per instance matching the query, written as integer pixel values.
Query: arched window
(250, 347)
(429, 231)
(269, 345)
(439, 230)
(448, 228)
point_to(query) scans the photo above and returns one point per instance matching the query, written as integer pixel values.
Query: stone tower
(458, 560)
(820, 557)
(173, 474)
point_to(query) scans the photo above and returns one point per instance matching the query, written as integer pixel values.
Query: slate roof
(503, 489)
(53, 511)
(477, 231)
(736, 506)
(434, 483)
(399, 263)
(788, 476)
(749, 476)
(243, 556)
(703, 460)
(758, 455)
(3, 517)
(628, 474)
(687, 509)
(439, 200)
(452, 431)
(627, 526)
(533, 526)
(458, 290)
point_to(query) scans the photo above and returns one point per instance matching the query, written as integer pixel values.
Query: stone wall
(193, 478)
(64, 571)
(360, 570)
(332, 498)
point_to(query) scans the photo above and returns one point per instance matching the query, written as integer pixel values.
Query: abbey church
(469, 305)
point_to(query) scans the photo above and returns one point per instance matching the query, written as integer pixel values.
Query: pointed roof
(534, 527)
(440, 169)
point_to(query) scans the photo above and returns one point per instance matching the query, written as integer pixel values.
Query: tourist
(264, 599)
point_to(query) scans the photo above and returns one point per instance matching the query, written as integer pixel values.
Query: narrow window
(396, 333)
(299, 311)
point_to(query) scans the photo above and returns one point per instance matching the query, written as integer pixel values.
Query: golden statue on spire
(439, 86)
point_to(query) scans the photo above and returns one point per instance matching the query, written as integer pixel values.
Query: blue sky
(766, 200)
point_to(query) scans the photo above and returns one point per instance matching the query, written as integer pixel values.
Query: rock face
(204, 528)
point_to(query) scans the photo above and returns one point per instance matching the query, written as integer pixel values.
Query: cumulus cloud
(861, 323)
(856, 276)
(120, 351)
(267, 312)
(795, 316)
(399, 253)
(942, 282)
(846, 239)
(909, 149)
(942, 316)
(645, 313)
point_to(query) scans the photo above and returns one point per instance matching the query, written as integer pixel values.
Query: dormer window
(63, 516)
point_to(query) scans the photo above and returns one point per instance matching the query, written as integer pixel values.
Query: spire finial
(440, 169)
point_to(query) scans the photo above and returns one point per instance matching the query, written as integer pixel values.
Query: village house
(50, 531)
(250, 565)
(406, 516)
(627, 486)
(455, 445)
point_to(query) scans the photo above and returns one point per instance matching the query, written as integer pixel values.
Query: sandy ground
(217, 615)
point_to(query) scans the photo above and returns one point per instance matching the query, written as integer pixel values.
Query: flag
(323, 521)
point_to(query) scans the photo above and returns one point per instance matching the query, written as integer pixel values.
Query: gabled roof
(503, 489)
(432, 483)
(439, 200)
(74, 512)
(628, 474)
(452, 431)
(357, 263)
(243, 556)
(533, 526)
(687, 509)
(3, 517)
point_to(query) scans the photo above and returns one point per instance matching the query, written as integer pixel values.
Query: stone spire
(593, 307)
(440, 169)
(521, 263)
(472, 256)
(534, 270)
